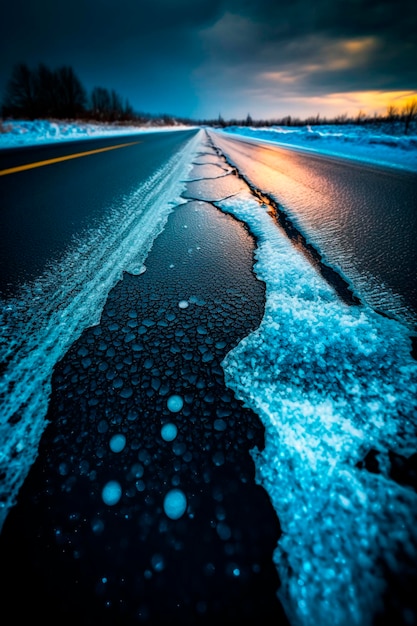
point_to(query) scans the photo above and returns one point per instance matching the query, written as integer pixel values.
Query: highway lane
(44, 208)
(362, 218)
(162, 332)
(69, 231)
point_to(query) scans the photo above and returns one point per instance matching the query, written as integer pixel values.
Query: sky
(205, 58)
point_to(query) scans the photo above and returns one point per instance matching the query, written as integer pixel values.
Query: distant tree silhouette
(392, 113)
(20, 99)
(71, 95)
(108, 106)
(128, 113)
(409, 113)
(116, 111)
(100, 103)
(44, 93)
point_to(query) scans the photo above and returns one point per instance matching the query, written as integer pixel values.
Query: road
(139, 470)
(44, 208)
(362, 218)
(161, 333)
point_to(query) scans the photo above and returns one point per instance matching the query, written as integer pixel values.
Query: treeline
(59, 93)
(400, 116)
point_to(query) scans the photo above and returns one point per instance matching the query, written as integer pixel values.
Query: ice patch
(329, 382)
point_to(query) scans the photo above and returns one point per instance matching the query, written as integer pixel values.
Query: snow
(15, 133)
(361, 143)
(330, 382)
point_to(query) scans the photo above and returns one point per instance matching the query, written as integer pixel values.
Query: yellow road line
(30, 166)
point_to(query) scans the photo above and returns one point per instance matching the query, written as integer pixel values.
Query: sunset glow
(350, 103)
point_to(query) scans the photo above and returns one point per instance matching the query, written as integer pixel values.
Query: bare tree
(392, 113)
(409, 113)
(128, 113)
(116, 108)
(19, 98)
(46, 92)
(71, 96)
(100, 103)
(360, 117)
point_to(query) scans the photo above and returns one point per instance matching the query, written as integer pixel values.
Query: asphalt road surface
(43, 208)
(142, 505)
(362, 218)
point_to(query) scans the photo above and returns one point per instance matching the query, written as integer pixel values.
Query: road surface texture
(142, 496)
(361, 218)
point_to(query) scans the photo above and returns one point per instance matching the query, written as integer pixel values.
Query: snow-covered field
(16, 133)
(352, 141)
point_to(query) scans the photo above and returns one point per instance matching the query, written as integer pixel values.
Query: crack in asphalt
(281, 218)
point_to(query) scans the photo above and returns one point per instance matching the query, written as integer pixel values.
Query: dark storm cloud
(277, 36)
(165, 54)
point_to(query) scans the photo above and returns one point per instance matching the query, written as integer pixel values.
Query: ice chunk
(112, 492)
(175, 504)
(175, 403)
(117, 443)
(169, 432)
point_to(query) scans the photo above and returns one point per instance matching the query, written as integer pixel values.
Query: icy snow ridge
(329, 382)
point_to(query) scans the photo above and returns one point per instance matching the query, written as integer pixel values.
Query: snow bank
(16, 133)
(351, 141)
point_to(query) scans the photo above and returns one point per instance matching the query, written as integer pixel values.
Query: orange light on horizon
(350, 103)
(372, 101)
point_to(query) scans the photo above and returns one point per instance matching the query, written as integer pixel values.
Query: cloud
(308, 50)
(190, 56)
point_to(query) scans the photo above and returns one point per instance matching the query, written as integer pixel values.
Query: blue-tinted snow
(352, 141)
(329, 382)
(28, 133)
